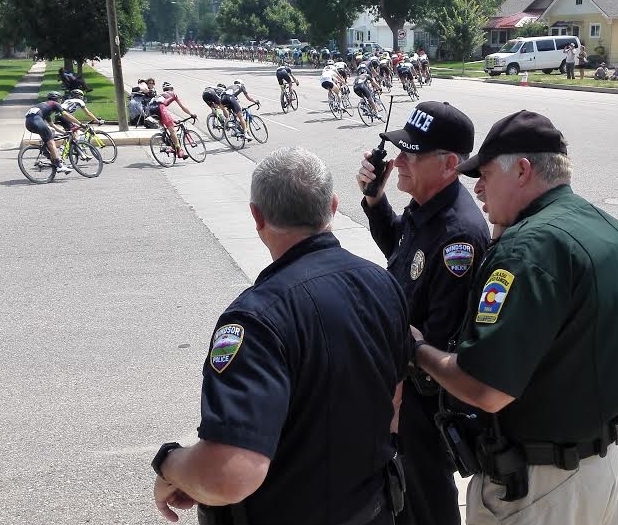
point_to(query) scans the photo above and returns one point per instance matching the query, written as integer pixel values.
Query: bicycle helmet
(222, 86)
(54, 95)
(76, 93)
(239, 82)
(167, 86)
(330, 63)
(362, 69)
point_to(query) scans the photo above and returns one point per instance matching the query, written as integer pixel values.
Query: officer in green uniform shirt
(538, 352)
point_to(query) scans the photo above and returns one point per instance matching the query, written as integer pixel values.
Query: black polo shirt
(302, 368)
(433, 251)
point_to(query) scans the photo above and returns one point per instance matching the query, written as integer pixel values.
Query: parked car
(527, 54)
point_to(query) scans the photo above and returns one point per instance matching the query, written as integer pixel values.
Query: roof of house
(512, 21)
(609, 7)
(511, 7)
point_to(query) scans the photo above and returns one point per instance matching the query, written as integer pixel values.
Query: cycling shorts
(343, 73)
(64, 122)
(327, 84)
(283, 76)
(362, 90)
(405, 72)
(384, 70)
(36, 124)
(211, 98)
(231, 102)
(161, 111)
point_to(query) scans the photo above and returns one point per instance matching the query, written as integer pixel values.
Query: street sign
(402, 43)
(402, 34)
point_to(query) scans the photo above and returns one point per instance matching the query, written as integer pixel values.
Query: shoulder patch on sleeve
(458, 258)
(494, 294)
(226, 344)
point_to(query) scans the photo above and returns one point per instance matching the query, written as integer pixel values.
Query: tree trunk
(395, 24)
(80, 67)
(68, 64)
(342, 41)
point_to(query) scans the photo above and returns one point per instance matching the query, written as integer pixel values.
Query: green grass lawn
(472, 69)
(11, 72)
(558, 79)
(101, 100)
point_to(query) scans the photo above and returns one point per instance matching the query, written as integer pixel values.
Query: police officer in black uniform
(538, 349)
(433, 250)
(299, 386)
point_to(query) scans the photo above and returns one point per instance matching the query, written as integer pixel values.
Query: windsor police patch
(494, 294)
(458, 258)
(418, 263)
(225, 346)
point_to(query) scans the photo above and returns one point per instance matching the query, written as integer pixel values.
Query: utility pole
(114, 42)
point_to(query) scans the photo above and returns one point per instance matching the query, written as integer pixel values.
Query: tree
(84, 32)
(462, 27)
(532, 28)
(276, 20)
(11, 32)
(329, 19)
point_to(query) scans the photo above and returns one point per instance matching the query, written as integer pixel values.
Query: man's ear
(334, 203)
(257, 217)
(525, 171)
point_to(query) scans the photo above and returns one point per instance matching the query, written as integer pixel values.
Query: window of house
(595, 30)
(369, 36)
(559, 31)
(578, 2)
(498, 38)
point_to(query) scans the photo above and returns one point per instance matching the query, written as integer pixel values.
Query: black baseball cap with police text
(434, 125)
(521, 132)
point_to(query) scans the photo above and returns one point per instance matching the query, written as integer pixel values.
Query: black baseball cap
(521, 132)
(434, 125)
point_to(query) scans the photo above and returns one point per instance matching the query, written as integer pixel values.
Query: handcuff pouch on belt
(395, 484)
(459, 432)
(222, 515)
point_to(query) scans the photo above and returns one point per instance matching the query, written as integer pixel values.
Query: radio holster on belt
(222, 515)
(503, 461)
(459, 432)
(395, 484)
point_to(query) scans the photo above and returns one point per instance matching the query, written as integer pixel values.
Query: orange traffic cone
(524, 79)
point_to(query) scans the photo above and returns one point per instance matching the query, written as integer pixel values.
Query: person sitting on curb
(614, 74)
(602, 72)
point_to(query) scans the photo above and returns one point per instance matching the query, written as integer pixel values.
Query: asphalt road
(110, 287)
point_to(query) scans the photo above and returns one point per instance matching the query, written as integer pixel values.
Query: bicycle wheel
(258, 129)
(363, 113)
(215, 126)
(346, 104)
(162, 152)
(335, 108)
(381, 110)
(194, 145)
(284, 102)
(85, 158)
(233, 134)
(294, 100)
(428, 78)
(105, 144)
(35, 166)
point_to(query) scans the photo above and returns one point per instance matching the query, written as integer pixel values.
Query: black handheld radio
(377, 159)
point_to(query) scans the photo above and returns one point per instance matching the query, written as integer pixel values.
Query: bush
(594, 61)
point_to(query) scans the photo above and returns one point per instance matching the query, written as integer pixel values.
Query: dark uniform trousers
(430, 487)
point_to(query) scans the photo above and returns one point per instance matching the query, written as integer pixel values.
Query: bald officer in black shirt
(433, 250)
(301, 377)
(539, 349)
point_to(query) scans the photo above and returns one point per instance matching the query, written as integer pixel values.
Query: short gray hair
(552, 168)
(293, 188)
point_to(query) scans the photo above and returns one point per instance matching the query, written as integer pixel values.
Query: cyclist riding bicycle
(38, 120)
(284, 75)
(424, 64)
(364, 87)
(331, 80)
(212, 96)
(405, 71)
(158, 106)
(343, 70)
(385, 67)
(229, 98)
(74, 102)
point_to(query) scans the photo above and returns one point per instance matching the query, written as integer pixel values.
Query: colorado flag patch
(225, 346)
(494, 294)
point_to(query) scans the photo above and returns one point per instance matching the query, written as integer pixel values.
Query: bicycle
(335, 105)
(215, 123)
(387, 82)
(367, 114)
(163, 149)
(102, 141)
(289, 98)
(345, 100)
(255, 126)
(410, 89)
(35, 160)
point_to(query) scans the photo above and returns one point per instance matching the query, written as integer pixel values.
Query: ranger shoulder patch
(458, 258)
(494, 294)
(225, 346)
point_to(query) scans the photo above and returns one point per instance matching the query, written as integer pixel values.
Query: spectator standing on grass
(570, 61)
(582, 60)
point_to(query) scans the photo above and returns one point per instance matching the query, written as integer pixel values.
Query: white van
(526, 54)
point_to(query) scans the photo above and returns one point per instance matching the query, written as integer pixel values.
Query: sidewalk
(25, 95)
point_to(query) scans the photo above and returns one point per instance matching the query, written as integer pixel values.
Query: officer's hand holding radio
(373, 174)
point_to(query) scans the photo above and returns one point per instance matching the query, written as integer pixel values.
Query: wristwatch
(161, 455)
(415, 346)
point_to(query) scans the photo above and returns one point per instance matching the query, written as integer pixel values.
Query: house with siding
(595, 22)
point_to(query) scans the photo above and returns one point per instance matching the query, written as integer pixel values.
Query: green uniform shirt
(542, 325)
